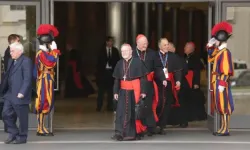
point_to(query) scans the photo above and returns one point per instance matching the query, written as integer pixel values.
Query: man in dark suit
(16, 90)
(107, 60)
(11, 39)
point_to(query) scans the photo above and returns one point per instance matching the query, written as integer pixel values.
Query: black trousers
(105, 86)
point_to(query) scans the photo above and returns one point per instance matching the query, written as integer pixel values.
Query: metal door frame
(224, 5)
(139, 1)
(38, 17)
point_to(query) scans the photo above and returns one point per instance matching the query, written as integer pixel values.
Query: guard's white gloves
(53, 45)
(221, 88)
(211, 42)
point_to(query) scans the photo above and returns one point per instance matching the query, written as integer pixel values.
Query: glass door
(22, 18)
(237, 13)
(211, 114)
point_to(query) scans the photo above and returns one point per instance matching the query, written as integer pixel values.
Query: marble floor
(80, 113)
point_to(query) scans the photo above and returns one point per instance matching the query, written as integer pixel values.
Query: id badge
(165, 70)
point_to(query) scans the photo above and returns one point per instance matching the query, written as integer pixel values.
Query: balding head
(126, 51)
(163, 44)
(189, 48)
(142, 42)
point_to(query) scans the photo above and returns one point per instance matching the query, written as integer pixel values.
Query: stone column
(159, 20)
(134, 23)
(71, 34)
(146, 19)
(115, 14)
(175, 19)
(190, 24)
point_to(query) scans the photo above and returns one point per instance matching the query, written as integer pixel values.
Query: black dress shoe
(162, 132)
(138, 137)
(19, 142)
(44, 134)
(50, 134)
(221, 134)
(150, 133)
(9, 140)
(184, 125)
(119, 138)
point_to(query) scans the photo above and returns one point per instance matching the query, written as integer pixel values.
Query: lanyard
(126, 70)
(162, 61)
(140, 56)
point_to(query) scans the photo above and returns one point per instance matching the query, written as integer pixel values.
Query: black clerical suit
(179, 115)
(107, 60)
(153, 64)
(167, 96)
(197, 99)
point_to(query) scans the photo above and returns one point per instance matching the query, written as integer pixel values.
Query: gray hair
(126, 45)
(17, 46)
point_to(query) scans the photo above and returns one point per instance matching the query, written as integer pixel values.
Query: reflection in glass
(21, 20)
(239, 45)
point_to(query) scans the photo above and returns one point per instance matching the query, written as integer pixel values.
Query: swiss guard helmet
(222, 31)
(46, 33)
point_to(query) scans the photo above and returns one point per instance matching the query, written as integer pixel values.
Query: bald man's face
(126, 52)
(142, 43)
(188, 48)
(164, 45)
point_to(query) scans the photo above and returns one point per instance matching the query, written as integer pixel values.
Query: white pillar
(146, 19)
(134, 22)
(115, 14)
(159, 20)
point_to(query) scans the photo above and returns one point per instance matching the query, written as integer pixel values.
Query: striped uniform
(44, 71)
(221, 72)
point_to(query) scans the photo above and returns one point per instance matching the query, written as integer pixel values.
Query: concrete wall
(11, 21)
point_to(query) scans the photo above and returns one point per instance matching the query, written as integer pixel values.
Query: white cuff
(221, 88)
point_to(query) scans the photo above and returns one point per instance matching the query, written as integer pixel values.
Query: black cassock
(196, 103)
(153, 64)
(129, 84)
(168, 96)
(179, 115)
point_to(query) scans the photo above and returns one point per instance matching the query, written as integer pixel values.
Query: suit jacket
(18, 79)
(6, 58)
(102, 62)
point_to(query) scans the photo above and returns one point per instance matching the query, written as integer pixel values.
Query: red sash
(134, 85)
(189, 78)
(150, 77)
(174, 89)
(76, 75)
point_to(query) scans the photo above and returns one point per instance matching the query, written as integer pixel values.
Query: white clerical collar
(43, 47)
(222, 46)
(163, 52)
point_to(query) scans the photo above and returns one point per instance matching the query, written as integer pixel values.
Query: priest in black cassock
(153, 64)
(172, 68)
(197, 100)
(179, 115)
(130, 76)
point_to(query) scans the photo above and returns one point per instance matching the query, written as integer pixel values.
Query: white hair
(126, 45)
(17, 46)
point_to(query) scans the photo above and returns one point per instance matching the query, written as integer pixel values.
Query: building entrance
(24, 17)
(85, 26)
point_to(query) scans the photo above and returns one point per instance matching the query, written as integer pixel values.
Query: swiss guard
(221, 58)
(45, 63)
